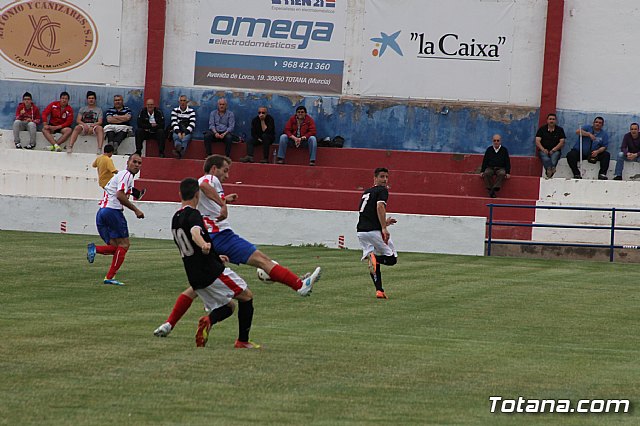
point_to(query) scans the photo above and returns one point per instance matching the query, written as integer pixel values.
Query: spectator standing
(595, 141)
(89, 122)
(263, 132)
(57, 118)
(496, 166)
(118, 119)
(300, 131)
(222, 122)
(183, 123)
(550, 139)
(150, 126)
(628, 151)
(27, 118)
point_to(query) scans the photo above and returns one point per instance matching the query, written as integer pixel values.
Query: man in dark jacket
(150, 126)
(263, 132)
(495, 164)
(629, 151)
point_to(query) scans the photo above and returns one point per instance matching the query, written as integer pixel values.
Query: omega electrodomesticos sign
(294, 45)
(434, 49)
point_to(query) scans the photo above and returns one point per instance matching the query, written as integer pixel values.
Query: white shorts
(222, 290)
(371, 242)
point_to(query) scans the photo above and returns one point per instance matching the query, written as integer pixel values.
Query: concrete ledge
(84, 144)
(278, 226)
(564, 253)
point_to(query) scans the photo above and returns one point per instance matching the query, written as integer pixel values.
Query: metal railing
(612, 227)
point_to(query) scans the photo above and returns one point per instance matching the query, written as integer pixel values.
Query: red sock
(118, 258)
(283, 275)
(183, 303)
(106, 249)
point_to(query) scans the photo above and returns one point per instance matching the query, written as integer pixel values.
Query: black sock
(245, 316)
(378, 280)
(220, 314)
(387, 260)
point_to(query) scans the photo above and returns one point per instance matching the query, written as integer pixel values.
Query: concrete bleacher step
(461, 184)
(83, 145)
(365, 158)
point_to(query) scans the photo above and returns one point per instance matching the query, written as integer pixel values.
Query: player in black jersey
(212, 281)
(373, 234)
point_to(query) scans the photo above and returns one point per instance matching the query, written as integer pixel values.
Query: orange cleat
(202, 335)
(381, 295)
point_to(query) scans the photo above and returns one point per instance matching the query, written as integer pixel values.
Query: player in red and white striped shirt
(110, 220)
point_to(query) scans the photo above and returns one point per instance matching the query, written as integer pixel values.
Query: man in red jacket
(27, 118)
(60, 121)
(300, 131)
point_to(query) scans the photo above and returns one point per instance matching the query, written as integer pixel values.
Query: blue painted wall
(364, 123)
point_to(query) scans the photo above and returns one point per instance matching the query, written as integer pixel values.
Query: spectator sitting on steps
(118, 119)
(57, 118)
(594, 148)
(263, 132)
(150, 126)
(628, 151)
(550, 139)
(495, 164)
(27, 118)
(89, 122)
(183, 123)
(300, 131)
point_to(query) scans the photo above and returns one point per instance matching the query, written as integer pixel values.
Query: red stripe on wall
(155, 49)
(552, 49)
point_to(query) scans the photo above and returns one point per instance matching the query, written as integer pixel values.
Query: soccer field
(455, 331)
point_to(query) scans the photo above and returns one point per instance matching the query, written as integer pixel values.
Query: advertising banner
(292, 45)
(434, 49)
(60, 40)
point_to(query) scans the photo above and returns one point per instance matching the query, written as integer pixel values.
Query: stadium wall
(596, 70)
(451, 235)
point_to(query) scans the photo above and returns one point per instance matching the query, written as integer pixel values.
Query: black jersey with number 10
(202, 269)
(368, 220)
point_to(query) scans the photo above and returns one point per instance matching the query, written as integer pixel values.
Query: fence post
(490, 229)
(613, 233)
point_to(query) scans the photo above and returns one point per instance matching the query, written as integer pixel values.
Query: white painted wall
(526, 74)
(260, 225)
(599, 61)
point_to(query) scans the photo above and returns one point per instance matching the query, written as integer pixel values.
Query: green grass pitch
(455, 331)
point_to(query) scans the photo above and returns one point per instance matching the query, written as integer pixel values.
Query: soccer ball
(263, 276)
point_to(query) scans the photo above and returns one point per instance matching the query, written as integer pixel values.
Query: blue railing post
(613, 233)
(490, 229)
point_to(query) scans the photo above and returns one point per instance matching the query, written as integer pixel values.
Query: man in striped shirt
(110, 220)
(118, 119)
(183, 123)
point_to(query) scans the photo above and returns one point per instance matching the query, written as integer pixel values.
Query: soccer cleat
(57, 148)
(52, 148)
(202, 335)
(373, 263)
(91, 252)
(163, 330)
(380, 295)
(246, 345)
(112, 281)
(307, 282)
